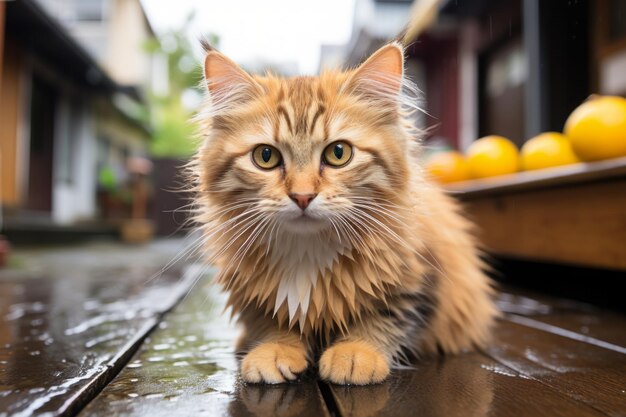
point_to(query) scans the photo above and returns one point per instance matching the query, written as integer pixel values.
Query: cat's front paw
(356, 363)
(273, 363)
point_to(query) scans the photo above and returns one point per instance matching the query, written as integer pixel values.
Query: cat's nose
(302, 200)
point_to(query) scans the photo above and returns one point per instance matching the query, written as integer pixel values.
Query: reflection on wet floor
(188, 367)
(62, 334)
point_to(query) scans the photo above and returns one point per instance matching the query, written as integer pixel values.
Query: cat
(333, 245)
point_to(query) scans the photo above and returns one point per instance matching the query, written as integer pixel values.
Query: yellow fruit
(547, 150)
(597, 128)
(491, 156)
(447, 167)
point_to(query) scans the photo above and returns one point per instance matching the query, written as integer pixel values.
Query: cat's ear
(380, 76)
(226, 82)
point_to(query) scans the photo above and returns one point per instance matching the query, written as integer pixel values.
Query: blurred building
(331, 56)
(375, 23)
(112, 31)
(71, 80)
(508, 67)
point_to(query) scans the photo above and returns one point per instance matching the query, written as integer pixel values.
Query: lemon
(547, 150)
(597, 128)
(491, 156)
(448, 166)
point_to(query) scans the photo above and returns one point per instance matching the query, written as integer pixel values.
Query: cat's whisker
(380, 224)
(250, 223)
(244, 219)
(376, 225)
(219, 223)
(235, 205)
(197, 243)
(249, 240)
(335, 227)
(392, 207)
(406, 245)
(354, 237)
(252, 239)
(269, 240)
(384, 213)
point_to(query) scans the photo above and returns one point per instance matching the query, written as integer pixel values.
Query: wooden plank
(188, 368)
(583, 371)
(584, 320)
(464, 385)
(63, 337)
(566, 175)
(581, 225)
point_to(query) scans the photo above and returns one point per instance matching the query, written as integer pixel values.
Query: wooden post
(138, 229)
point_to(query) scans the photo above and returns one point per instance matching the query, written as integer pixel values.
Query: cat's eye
(266, 157)
(338, 154)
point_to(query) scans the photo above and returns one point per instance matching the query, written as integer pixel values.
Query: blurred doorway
(503, 83)
(42, 127)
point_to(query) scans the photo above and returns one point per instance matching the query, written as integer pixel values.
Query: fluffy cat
(332, 244)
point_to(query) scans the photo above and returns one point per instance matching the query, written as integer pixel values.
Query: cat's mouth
(305, 223)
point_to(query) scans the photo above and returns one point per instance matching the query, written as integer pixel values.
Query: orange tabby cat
(332, 244)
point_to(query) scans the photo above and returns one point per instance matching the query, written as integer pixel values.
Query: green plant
(107, 180)
(173, 134)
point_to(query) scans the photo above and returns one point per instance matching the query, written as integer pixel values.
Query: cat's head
(306, 154)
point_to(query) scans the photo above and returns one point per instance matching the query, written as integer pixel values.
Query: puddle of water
(59, 332)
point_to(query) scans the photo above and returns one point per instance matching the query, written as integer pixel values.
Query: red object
(5, 249)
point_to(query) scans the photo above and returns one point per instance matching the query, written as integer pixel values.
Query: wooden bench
(574, 214)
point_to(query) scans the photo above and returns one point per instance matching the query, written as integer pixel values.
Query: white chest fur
(300, 260)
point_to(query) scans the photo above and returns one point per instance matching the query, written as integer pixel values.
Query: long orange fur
(386, 267)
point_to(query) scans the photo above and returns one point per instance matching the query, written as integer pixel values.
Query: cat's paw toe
(273, 363)
(356, 363)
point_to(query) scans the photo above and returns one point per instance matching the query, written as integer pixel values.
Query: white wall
(127, 31)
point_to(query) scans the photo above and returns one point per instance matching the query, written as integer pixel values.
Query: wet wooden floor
(115, 346)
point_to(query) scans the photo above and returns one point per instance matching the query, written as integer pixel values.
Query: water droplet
(162, 346)
(133, 395)
(34, 353)
(181, 355)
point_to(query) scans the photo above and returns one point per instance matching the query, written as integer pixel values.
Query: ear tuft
(381, 75)
(206, 45)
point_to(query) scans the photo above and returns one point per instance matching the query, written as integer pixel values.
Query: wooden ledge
(574, 214)
(575, 174)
